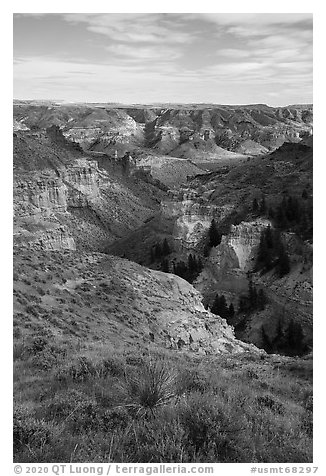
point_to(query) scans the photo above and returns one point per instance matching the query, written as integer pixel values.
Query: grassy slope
(82, 393)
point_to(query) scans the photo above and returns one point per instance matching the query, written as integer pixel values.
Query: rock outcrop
(193, 215)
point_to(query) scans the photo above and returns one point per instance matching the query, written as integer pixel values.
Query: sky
(221, 58)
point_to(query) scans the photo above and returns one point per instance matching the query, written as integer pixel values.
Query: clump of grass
(153, 386)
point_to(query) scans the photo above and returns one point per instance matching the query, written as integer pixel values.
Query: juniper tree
(165, 247)
(255, 207)
(283, 265)
(214, 235)
(262, 206)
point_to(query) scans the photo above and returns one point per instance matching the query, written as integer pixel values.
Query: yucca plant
(153, 386)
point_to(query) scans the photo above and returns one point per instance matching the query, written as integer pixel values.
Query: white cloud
(233, 53)
(263, 19)
(156, 53)
(131, 27)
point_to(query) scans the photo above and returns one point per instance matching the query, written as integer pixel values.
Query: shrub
(76, 409)
(37, 345)
(266, 401)
(111, 366)
(28, 431)
(115, 419)
(210, 432)
(80, 370)
(193, 381)
(48, 357)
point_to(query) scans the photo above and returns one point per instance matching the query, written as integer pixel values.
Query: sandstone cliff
(57, 186)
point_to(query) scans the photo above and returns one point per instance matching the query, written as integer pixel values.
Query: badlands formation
(162, 283)
(117, 180)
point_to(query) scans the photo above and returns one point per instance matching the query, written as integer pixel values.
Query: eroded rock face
(42, 200)
(179, 319)
(82, 135)
(244, 240)
(105, 130)
(193, 215)
(39, 196)
(95, 205)
(228, 263)
(83, 182)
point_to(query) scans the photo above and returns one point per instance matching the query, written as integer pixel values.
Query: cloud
(234, 53)
(146, 57)
(157, 53)
(132, 27)
(252, 19)
(39, 78)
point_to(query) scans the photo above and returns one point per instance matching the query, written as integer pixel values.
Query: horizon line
(158, 103)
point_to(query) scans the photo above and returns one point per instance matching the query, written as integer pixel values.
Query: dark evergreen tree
(231, 310)
(261, 300)
(295, 338)
(303, 227)
(264, 254)
(191, 263)
(206, 250)
(269, 236)
(279, 339)
(255, 207)
(165, 265)
(252, 295)
(271, 213)
(158, 251)
(304, 194)
(280, 217)
(223, 308)
(283, 265)
(199, 265)
(292, 209)
(214, 235)
(165, 247)
(267, 345)
(215, 306)
(262, 206)
(242, 304)
(220, 307)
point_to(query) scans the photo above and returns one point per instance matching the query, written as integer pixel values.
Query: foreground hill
(100, 297)
(95, 334)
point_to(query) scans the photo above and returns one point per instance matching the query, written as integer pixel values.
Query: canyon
(117, 180)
